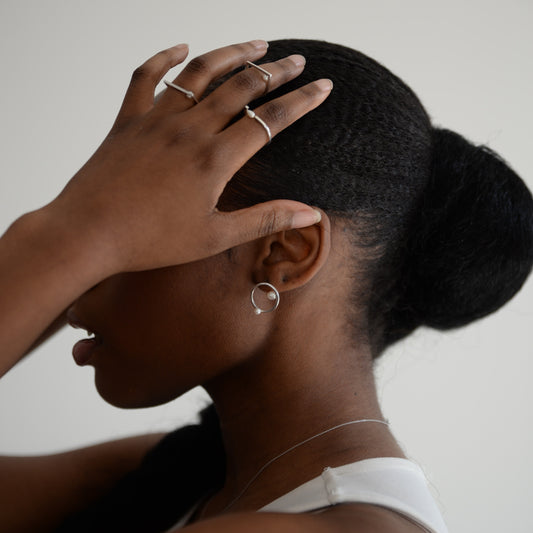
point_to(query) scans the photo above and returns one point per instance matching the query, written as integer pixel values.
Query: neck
(284, 396)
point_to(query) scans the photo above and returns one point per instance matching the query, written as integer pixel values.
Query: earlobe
(290, 259)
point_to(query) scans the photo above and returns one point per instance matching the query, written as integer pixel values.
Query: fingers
(202, 70)
(264, 219)
(248, 135)
(229, 99)
(140, 94)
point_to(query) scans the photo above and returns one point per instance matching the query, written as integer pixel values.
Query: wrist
(67, 245)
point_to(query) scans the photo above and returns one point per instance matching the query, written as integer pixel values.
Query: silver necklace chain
(267, 464)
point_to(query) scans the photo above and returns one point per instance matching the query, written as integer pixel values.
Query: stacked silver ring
(265, 74)
(188, 94)
(266, 77)
(253, 115)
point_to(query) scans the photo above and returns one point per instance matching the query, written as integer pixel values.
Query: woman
(198, 266)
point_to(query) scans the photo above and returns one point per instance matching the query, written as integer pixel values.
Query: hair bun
(472, 243)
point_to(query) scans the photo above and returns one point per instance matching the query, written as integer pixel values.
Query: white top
(390, 482)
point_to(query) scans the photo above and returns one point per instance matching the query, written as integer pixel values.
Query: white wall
(459, 402)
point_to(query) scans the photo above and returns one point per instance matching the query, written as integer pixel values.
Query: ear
(290, 259)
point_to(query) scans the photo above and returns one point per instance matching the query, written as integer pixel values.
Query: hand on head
(149, 193)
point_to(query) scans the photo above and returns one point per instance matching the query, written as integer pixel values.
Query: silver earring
(272, 295)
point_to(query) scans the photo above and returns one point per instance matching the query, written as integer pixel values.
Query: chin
(129, 396)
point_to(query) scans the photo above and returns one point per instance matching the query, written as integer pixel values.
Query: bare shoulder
(346, 518)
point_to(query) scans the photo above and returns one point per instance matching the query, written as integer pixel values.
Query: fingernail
(324, 85)
(303, 219)
(298, 60)
(180, 47)
(259, 44)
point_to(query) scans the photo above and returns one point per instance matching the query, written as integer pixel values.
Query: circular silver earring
(272, 295)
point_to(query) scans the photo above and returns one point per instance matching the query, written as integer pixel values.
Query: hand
(148, 196)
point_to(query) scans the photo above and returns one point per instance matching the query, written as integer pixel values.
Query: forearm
(53, 328)
(37, 493)
(45, 264)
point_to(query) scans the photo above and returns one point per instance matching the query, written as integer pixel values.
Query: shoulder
(346, 518)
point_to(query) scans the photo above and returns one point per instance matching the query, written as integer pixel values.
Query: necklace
(267, 464)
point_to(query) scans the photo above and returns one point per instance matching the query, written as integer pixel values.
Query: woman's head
(426, 230)
(442, 230)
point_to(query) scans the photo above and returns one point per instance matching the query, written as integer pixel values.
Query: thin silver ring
(252, 114)
(188, 94)
(264, 74)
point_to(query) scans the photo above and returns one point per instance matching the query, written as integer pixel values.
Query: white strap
(390, 482)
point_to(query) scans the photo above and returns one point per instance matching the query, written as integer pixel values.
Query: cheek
(168, 331)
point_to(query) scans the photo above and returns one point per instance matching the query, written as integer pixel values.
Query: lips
(83, 350)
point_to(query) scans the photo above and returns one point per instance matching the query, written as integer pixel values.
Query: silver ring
(265, 74)
(188, 94)
(252, 114)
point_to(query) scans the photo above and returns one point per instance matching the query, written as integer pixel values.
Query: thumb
(268, 218)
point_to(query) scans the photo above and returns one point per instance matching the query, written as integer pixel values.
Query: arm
(345, 518)
(43, 269)
(37, 493)
(53, 328)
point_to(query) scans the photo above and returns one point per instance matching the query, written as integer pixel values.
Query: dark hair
(446, 228)
(186, 465)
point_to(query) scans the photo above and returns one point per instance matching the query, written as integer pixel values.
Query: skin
(164, 279)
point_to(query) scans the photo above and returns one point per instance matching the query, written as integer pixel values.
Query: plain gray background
(459, 402)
